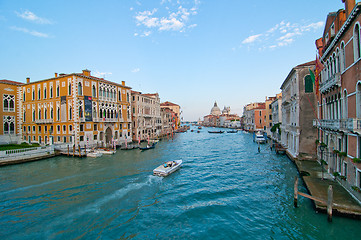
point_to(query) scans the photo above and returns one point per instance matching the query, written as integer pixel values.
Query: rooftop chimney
(27, 80)
(349, 5)
(56, 75)
(123, 83)
(86, 72)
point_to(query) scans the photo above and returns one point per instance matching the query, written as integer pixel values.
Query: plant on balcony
(356, 160)
(342, 154)
(343, 178)
(357, 189)
(336, 174)
(317, 141)
(336, 151)
(323, 144)
(324, 162)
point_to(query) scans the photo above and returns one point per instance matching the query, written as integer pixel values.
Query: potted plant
(357, 189)
(336, 174)
(343, 178)
(336, 151)
(342, 154)
(356, 160)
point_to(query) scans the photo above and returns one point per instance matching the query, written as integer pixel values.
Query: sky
(191, 52)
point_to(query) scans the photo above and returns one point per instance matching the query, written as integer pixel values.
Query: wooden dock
(73, 152)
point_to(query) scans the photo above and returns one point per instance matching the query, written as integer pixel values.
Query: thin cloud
(280, 35)
(135, 70)
(170, 16)
(31, 32)
(30, 16)
(251, 39)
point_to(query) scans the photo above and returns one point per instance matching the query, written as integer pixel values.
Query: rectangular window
(81, 138)
(95, 127)
(81, 127)
(95, 137)
(39, 129)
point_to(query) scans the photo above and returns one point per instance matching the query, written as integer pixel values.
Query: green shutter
(308, 84)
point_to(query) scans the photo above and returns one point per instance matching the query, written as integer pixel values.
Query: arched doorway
(108, 136)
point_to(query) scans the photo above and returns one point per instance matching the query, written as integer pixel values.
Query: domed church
(215, 110)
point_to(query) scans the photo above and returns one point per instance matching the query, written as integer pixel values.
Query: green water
(225, 190)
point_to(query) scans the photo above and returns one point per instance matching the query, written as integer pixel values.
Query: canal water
(226, 189)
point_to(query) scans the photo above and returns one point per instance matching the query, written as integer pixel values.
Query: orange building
(9, 132)
(75, 108)
(176, 109)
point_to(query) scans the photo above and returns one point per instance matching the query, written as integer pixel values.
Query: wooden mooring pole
(295, 192)
(329, 202)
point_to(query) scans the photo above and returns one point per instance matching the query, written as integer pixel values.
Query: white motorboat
(94, 154)
(260, 138)
(167, 168)
(107, 151)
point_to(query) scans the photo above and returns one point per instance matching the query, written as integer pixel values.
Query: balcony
(106, 120)
(333, 81)
(44, 121)
(350, 124)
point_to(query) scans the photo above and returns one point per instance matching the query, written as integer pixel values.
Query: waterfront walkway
(344, 203)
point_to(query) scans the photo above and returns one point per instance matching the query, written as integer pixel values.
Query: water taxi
(167, 168)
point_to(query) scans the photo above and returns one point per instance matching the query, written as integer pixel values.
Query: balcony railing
(106, 120)
(334, 80)
(43, 121)
(350, 124)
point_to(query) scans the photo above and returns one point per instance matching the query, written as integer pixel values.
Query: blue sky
(192, 52)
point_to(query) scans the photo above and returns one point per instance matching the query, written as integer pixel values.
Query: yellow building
(75, 108)
(9, 132)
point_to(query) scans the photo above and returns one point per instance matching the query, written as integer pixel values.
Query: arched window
(39, 114)
(334, 63)
(108, 115)
(345, 105)
(24, 116)
(6, 105)
(100, 113)
(70, 113)
(6, 128)
(308, 84)
(127, 97)
(51, 113)
(356, 41)
(39, 93)
(358, 100)
(338, 67)
(58, 113)
(51, 92)
(80, 89)
(33, 115)
(94, 91)
(69, 89)
(80, 111)
(33, 94)
(331, 67)
(119, 96)
(12, 128)
(57, 91)
(45, 93)
(343, 57)
(45, 113)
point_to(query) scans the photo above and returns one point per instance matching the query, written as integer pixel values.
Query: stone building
(339, 112)
(254, 117)
(75, 108)
(146, 116)
(298, 102)
(9, 112)
(276, 107)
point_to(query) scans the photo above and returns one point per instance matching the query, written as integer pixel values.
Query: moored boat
(232, 131)
(148, 147)
(107, 151)
(167, 168)
(259, 138)
(94, 154)
(216, 131)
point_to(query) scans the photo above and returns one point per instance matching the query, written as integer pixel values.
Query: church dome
(215, 110)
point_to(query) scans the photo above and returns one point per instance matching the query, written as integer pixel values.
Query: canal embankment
(317, 182)
(15, 156)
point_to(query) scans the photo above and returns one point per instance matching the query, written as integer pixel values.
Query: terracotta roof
(307, 64)
(11, 82)
(168, 104)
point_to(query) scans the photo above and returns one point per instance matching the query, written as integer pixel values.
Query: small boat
(192, 130)
(130, 147)
(107, 151)
(199, 127)
(94, 154)
(232, 131)
(148, 147)
(260, 138)
(198, 131)
(216, 131)
(167, 168)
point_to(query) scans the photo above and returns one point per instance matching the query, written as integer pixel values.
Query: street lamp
(322, 148)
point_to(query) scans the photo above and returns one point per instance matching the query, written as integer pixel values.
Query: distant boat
(199, 127)
(167, 168)
(216, 131)
(232, 131)
(148, 147)
(107, 151)
(94, 154)
(130, 147)
(260, 138)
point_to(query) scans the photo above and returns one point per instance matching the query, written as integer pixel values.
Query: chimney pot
(56, 75)
(123, 83)
(27, 80)
(349, 5)
(86, 72)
